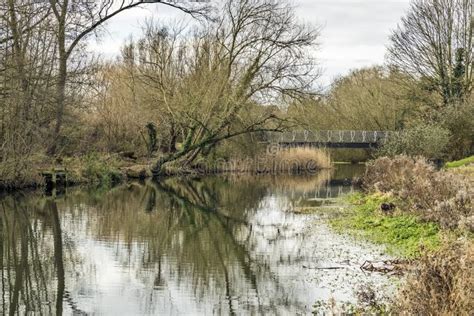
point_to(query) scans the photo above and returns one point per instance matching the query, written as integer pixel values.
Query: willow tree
(219, 83)
(434, 44)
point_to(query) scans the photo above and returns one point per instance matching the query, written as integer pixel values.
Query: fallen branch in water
(397, 266)
(323, 268)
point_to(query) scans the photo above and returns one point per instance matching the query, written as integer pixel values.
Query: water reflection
(202, 246)
(31, 250)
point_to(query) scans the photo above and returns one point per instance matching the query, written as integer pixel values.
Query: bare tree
(75, 20)
(27, 45)
(434, 43)
(26, 77)
(213, 87)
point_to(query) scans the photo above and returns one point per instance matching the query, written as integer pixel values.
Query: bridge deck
(330, 139)
(329, 145)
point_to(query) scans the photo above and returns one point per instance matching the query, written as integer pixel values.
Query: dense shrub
(20, 172)
(422, 140)
(20, 161)
(459, 120)
(442, 283)
(439, 196)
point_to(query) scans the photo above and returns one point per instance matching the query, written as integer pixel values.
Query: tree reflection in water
(215, 245)
(31, 250)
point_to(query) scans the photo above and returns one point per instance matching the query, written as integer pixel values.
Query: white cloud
(355, 32)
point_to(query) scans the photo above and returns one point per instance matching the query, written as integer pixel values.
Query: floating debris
(397, 266)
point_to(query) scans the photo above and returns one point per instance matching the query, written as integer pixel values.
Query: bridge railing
(365, 137)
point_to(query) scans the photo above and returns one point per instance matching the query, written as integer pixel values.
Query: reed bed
(291, 161)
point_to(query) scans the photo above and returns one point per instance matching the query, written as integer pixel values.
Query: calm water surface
(181, 247)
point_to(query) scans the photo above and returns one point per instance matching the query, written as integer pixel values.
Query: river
(216, 245)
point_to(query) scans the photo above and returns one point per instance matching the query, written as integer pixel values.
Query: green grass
(459, 163)
(404, 235)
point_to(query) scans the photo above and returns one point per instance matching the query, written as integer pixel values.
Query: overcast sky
(354, 32)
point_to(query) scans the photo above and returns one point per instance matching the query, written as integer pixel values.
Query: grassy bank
(404, 234)
(464, 167)
(460, 163)
(426, 216)
(407, 204)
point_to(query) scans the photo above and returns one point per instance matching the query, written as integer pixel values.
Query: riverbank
(110, 169)
(403, 234)
(424, 216)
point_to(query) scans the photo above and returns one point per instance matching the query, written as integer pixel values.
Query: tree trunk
(60, 89)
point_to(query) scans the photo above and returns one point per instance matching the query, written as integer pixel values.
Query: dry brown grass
(465, 171)
(443, 283)
(438, 196)
(301, 159)
(292, 161)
